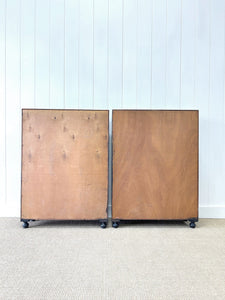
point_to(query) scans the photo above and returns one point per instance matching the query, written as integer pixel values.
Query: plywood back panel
(65, 164)
(155, 164)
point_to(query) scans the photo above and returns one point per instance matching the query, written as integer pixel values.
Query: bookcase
(155, 165)
(64, 165)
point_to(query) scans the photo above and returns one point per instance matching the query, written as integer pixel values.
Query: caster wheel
(115, 224)
(103, 225)
(25, 224)
(192, 224)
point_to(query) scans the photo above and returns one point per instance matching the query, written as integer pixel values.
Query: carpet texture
(79, 260)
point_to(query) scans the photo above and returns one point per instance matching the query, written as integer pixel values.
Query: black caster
(103, 225)
(192, 224)
(115, 224)
(25, 224)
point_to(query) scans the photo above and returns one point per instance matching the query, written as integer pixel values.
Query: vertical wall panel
(114, 54)
(143, 88)
(115, 63)
(216, 104)
(100, 53)
(158, 95)
(114, 67)
(2, 102)
(202, 93)
(187, 54)
(129, 54)
(57, 52)
(173, 54)
(13, 113)
(42, 59)
(27, 53)
(86, 57)
(71, 53)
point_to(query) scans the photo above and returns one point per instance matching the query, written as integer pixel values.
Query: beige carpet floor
(76, 260)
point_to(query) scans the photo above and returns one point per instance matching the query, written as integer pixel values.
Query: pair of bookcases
(65, 165)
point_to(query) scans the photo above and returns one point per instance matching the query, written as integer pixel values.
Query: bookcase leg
(115, 223)
(192, 223)
(103, 223)
(25, 224)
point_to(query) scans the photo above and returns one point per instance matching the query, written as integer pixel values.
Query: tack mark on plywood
(29, 156)
(64, 155)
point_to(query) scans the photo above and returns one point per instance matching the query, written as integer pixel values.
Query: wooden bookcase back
(64, 164)
(155, 164)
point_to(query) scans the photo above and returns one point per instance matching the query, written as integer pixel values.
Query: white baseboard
(9, 211)
(216, 212)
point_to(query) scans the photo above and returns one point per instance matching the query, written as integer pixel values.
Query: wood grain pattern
(65, 164)
(155, 164)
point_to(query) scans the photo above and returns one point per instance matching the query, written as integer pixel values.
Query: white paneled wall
(105, 54)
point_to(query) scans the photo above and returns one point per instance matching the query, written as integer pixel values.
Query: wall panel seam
(151, 53)
(209, 95)
(195, 53)
(107, 88)
(137, 40)
(166, 53)
(122, 52)
(181, 21)
(5, 102)
(20, 54)
(49, 54)
(78, 58)
(64, 54)
(35, 33)
(224, 79)
(93, 54)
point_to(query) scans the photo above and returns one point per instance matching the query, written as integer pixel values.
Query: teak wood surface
(64, 164)
(155, 165)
